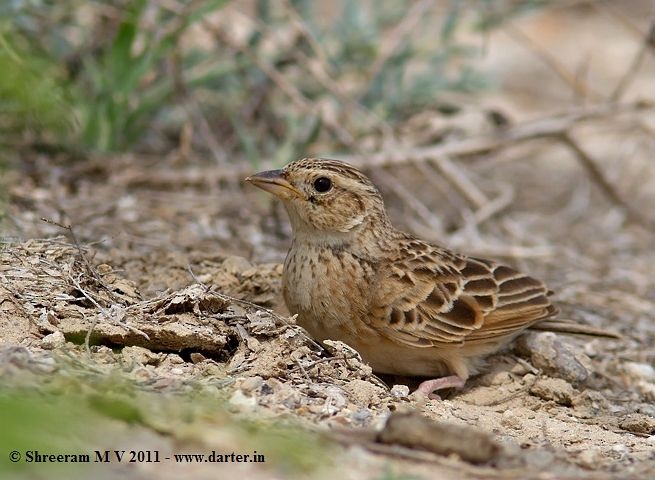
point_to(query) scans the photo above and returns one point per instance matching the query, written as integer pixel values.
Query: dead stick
(548, 127)
(423, 212)
(394, 39)
(463, 184)
(647, 43)
(599, 178)
(580, 88)
(294, 94)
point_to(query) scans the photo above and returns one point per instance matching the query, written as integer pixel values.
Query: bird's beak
(273, 181)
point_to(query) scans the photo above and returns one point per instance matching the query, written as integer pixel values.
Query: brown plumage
(408, 307)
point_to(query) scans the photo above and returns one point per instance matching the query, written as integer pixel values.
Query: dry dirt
(170, 281)
(169, 319)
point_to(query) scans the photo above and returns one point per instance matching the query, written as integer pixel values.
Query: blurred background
(136, 121)
(521, 130)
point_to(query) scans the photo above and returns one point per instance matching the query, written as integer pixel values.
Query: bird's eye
(322, 184)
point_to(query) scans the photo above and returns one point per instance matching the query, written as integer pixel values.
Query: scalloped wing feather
(432, 297)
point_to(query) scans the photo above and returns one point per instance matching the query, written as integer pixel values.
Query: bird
(409, 307)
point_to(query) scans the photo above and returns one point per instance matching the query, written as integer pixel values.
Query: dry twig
(456, 176)
(294, 94)
(629, 75)
(581, 89)
(547, 127)
(419, 209)
(319, 361)
(82, 255)
(392, 41)
(598, 177)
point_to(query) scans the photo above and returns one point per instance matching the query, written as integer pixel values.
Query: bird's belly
(389, 357)
(394, 359)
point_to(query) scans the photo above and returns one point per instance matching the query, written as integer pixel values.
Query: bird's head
(322, 196)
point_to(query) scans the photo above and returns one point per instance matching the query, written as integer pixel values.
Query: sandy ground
(169, 282)
(572, 408)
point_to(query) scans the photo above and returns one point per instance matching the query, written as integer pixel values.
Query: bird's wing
(429, 296)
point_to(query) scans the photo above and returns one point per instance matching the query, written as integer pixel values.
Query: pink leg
(429, 386)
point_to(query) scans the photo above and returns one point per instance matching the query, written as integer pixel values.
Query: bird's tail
(574, 328)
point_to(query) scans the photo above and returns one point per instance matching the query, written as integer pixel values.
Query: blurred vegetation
(78, 410)
(263, 79)
(390, 474)
(34, 420)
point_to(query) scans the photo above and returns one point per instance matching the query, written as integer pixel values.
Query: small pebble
(236, 264)
(361, 415)
(638, 423)
(539, 459)
(646, 409)
(251, 384)
(529, 378)
(177, 371)
(52, 341)
(242, 402)
(589, 458)
(363, 393)
(335, 399)
(554, 389)
(620, 448)
(142, 374)
(591, 348)
(510, 420)
(548, 353)
(139, 356)
(641, 371)
(646, 389)
(399, 391)
(173, 358)
(197, 357)
(103, 354)
(591, 402)
(520, 369)
(498, 378)
(291, 402)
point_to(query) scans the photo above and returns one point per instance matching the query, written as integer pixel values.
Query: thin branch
(461, 182)
(324, 73)
(288, 88)
(409, 199)
(82, 254)
(495, 206)
(196, 279)
(107, 314)
(581, 89)
(305, 31)
(194, 111)
(281, 320)
(87, 337)
(597, 175)
(395, 38)
(548, 127)
(313, 363)
(608, 8)
(629, 75)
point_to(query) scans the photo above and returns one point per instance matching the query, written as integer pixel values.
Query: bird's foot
(428, 387)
